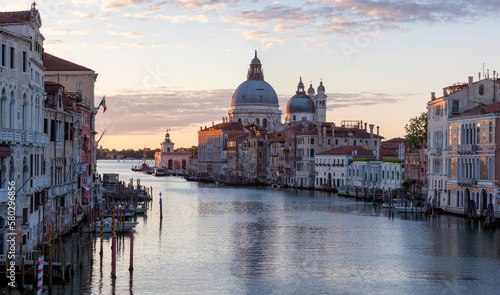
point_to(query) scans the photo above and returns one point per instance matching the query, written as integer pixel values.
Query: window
(455, 107)
(12, 58)
(312, 140)
(481, 90)
(490, 133)
(478, 134)
(4, 55)
(25, 61)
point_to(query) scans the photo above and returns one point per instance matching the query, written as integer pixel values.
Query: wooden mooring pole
(113, 256)
(131, 268)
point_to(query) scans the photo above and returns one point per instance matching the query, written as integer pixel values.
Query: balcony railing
(62, 189)
(466, 181)
(14, 136)
(4, 195)
(40, 182)
(467, 149)
(435, 151)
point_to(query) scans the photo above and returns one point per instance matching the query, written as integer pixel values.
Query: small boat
(159, 172)
(126, 214)
(409, 209)
(108, 224)
(139, 210)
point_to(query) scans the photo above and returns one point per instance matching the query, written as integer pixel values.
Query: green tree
(416, 130)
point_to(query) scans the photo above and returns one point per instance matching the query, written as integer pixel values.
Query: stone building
(23, 140)
(472, 180)
(171, 160)
(79, 81)
(456, 99)
(255, 101)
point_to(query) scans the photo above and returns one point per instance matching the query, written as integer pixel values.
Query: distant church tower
(320, 100)
(167, 146)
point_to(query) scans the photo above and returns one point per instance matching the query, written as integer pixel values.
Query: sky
(175, 64)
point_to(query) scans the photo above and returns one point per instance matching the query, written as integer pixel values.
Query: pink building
(172, 161)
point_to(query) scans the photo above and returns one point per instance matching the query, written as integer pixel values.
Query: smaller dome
(255, 60)
(300, 104)
(310, 91)
(321, 87)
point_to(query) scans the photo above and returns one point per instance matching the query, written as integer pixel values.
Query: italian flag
(103, 103)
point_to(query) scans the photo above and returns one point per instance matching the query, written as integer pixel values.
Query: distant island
(104, 153)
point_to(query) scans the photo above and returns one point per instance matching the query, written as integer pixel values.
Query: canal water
(227, 240)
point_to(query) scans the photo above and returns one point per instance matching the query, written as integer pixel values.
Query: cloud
(60, 32)
(162, 107)
(89, 15)
(120, 45)
(344, 100)
(57, 43)
(262, 36)
(133, 35)
(182, 18)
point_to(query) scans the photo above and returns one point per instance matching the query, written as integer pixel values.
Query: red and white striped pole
(113, 219)
(102, 228)
(39, 284)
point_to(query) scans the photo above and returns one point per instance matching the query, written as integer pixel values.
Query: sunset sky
(175, 64)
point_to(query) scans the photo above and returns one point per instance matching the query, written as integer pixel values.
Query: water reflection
(224, 240)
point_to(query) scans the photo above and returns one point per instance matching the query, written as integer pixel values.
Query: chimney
(371, 129)
(378, 128)
(365, 126)
(433, 95)
(333, 129)
(201, 128)
(445, 92)
(471, 81)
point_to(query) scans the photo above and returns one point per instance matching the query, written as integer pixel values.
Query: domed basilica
(255, 101)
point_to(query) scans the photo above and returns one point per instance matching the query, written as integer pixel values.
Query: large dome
(300, 103)
(254, 92)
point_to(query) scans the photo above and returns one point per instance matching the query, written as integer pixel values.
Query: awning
(4, 151)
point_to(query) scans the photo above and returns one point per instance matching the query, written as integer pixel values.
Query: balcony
(39, 182)
(12, 136)
(467, 149)
(4, 195)
(62, 189)
(435, 151)
(466, 181)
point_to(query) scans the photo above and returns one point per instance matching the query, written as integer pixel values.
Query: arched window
(3, 110)
(183, 164)
(239, 120)
(257, 122)
(12, 111)
(170, 165)
(311, 153)
(481, 90)
(312, 140)
(25, 113)
(264, 123)
(478, 133)
(490, 132)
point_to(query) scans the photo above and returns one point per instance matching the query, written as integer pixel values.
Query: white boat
(140, 210)
(159, 172)
(108, 223)
(409, 209)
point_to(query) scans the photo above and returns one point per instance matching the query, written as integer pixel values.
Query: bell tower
(167, 146)
(321, 104)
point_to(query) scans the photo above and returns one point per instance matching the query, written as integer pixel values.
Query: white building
(375, 174)
(332, 166)
(22, 138)
(255, 101)
(456, 99)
